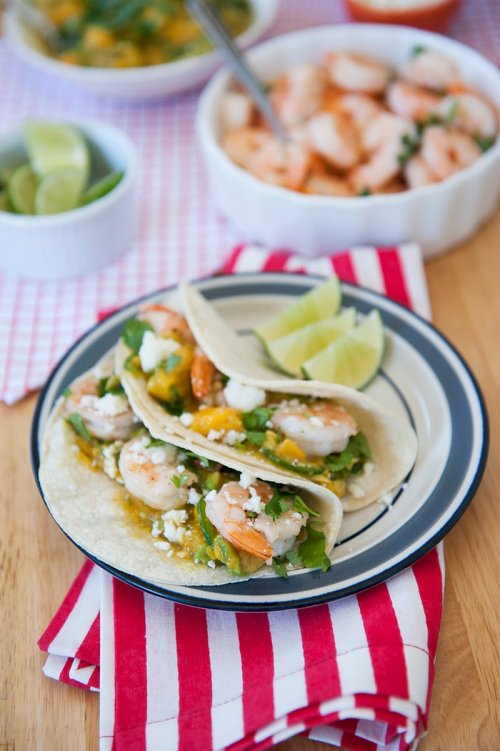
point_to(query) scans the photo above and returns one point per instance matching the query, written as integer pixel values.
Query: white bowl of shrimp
(393, 137)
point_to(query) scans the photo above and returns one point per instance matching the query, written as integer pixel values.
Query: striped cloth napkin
(356, 673)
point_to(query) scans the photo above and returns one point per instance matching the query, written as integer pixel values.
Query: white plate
(422, 377)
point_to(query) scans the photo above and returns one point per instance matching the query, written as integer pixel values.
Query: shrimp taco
(165, 512)
(195, 379)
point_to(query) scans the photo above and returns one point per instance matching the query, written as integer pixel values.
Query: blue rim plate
(423, 378)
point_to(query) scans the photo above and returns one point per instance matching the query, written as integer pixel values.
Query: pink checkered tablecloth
(180, 234)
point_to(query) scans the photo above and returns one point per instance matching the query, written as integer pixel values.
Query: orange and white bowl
(438, 216)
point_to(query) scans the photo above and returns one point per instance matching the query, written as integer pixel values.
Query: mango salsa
(216, 418)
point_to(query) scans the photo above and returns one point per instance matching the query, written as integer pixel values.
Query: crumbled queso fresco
(154, 349)
(244, 398)
(108, 405)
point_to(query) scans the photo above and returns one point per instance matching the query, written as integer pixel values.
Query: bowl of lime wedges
(68, 201)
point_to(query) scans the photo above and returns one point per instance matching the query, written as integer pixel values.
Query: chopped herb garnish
(175, 405)
(276, 506)
(180, 480)
(156, 443)
(279, 566)
(364, 192)
(410, 145)
(109, 385)
(130, 364)
(452, 112)
(133, 332)
(352, 457)
(312, 550)
(302, 507)
(484, 143)
(78, 425)
(66, 392)
(293, 557)
(255, 437)
(172, 362)
(257, 419)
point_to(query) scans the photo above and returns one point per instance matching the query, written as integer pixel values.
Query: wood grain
(37, 563)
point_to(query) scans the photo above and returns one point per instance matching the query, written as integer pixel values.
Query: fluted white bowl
(74, 242)
(438, 216)
(146, 82)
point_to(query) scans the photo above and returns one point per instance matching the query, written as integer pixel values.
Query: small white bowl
(438, 216)
(84, 239)
(132, 83)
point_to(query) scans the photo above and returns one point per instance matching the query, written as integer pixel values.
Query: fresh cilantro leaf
(276, 506)
(66, 392)
(452, 113)
(78, 425)
(156, 443)
(172, 362)
(257, 419)
(101, 386)
(302, 507)
(312, 550)
(255, 437)
(133, 332)
(293, 557)
(365, 192)
(179, 480)
(279, 567)
(484, 143)
(410, 145)
(175, 405)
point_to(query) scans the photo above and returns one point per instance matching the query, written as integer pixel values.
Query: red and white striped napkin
(357, 672)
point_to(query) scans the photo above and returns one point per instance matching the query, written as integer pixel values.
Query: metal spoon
(217, 32)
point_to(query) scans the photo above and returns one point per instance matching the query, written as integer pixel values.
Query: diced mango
(216, 418)
(271, 440)
(160, 385)
(338, 487)
(97, 38)
(289, 450)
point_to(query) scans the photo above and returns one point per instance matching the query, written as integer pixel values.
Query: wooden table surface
(37, 563)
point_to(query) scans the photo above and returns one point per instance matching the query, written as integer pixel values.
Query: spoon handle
(217, 32)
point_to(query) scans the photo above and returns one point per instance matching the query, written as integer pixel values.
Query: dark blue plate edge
(194, 601)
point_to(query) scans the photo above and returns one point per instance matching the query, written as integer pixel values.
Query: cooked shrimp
(259, 535)
(356, 72)
(298, 93)
(237, 110)
(241, 144)
(147, 473)
(165, 320)
(411, 101)
(323, 184)
(285, 164)
(361, 108)
(470, 112)
(202, 374)
(383, 141)
(418, 173)
(331, 136)
(448, 150)
(319, 428)
(108, 417)
(434, 70)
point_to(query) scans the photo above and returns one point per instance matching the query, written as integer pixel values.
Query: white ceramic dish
(438, 217)
(79, 241)
(133, 83)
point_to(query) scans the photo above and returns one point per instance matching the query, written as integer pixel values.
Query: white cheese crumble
(386, 499)
(234, 436)
(211, 564)
(186, 419)
(176, 516)
(154, 349)
(156, 530)
(246, 480)
(110, 454)
(111, 405)
(162, 545)
(243, 397)
(355, 490)
(173, 533)
(317, 422)
(193, 497)
(180, 468)
(254, 503)
(368, 468)
(210, 496)
(172, 525)
(158, 455)
(214, 435)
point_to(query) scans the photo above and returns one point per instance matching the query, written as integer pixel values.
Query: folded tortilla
(92, 509)
(392, 441)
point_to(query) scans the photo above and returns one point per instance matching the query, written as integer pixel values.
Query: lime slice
(4, 201)
(290, 352)
(320, 303)
(101, 188)
(353, 359)
(59, 191)
(21, 190)
(52, 146)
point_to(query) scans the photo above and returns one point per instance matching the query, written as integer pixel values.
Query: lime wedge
(4, 201)
(320, 303)
(353, 359)
(59, 191)
(21, 190)
(291, 351)
(53, 146)
(101, 188)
